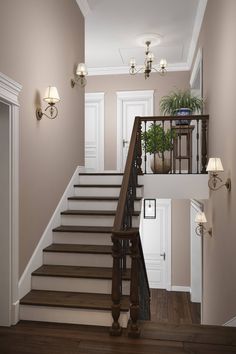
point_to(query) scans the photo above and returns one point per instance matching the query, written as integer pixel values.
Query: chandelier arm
(53, 112)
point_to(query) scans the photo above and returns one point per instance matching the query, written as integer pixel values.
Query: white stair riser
(100, 179)
(80, 259)
(70, 315)
(97, 205)
(101, 192)
(82, 238)
(93, 220)
(83, 285)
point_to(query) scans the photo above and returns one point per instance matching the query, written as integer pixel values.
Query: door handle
(125, 142)
(163, 255)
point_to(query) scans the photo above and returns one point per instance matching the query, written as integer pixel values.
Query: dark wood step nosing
(137, 199)
(101, 174)
(83, 229)
(94, 212)
(68, 248)
(102, 185)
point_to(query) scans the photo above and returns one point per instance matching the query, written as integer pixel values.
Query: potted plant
(157, 142)
(180, 103)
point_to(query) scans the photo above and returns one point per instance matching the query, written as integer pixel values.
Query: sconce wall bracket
(213, 182)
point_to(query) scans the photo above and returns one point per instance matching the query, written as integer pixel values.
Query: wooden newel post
(116, 287)
(134, 330)
(204, 145)
(139, 149)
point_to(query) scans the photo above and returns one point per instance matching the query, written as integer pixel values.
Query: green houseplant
(156, 141)
(180, 103)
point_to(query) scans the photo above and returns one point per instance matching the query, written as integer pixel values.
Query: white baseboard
(231, 323)
(185, 289)
(15, 312)
(37, 258)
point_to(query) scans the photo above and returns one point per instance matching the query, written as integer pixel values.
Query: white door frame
(97, 98)
(122, 98)
(9, 91)
(196, 243)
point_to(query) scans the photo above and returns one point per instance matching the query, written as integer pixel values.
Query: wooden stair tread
(99, 198)
(102, 185)
(77, 272)
(94, 212)
(84, 229)
(72, 300)
(76, 248)
(101, 174)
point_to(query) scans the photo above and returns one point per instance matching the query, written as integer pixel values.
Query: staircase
(74, 283)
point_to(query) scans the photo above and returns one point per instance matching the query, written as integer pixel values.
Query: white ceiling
(112, 28)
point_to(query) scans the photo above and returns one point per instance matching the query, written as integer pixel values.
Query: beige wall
(110, 84)
(180, 238)
(41, 41)
(217, 39)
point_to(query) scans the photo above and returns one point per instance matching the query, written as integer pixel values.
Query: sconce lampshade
(81, 69)
(51, 95)
(200, 218)
(214, 165)
(163, 63)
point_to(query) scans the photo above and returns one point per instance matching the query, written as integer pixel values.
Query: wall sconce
(214, 166)
(51, 97)
(201, 220)
(80, 74)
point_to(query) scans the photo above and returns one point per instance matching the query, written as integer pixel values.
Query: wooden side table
(182, 131)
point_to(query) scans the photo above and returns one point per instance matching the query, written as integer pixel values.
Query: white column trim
(9, 92)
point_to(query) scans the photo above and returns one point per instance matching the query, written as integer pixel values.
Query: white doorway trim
(122, 98)
(9, 91)
(97, 99)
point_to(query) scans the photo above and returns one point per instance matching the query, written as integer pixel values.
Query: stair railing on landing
(126, 240)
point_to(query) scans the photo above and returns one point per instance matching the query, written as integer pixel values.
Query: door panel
(129, 105)
(156, 236)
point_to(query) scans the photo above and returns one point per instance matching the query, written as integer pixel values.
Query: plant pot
(158, 165)
(183, 112)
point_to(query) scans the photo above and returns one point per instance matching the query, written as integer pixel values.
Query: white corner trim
(84, 7)
(231, 323)
(36, 259)
(196, 30)
(124, 70)
(185, 289)
(196, 67)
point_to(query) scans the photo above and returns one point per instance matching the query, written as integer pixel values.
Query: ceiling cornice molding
(84, 7)
(121, 70)
(196, 30)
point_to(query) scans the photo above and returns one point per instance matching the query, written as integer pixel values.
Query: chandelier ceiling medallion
(148, 67)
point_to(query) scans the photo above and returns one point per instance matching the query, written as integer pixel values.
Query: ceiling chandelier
(148, 67)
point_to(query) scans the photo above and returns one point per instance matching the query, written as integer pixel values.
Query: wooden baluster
(171, 151)
(116, 287)
(162, 155)
(134, 330)
(204, 145)
(139, 148)
(145, 149)
(180, 168)
(197, 146)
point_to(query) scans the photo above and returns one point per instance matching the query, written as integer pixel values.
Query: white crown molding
(84, 7)
(119, 70)
(9, 89)
(196, 30)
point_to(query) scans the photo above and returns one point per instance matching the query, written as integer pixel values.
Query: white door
(129, 105)
(5, 249)
(196, 255)
(156, 242)
(94, 132)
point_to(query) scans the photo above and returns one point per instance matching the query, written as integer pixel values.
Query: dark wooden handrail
(123, 234)
(173, 118)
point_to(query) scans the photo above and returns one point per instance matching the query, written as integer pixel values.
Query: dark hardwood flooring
(156, 338)
(173, 307)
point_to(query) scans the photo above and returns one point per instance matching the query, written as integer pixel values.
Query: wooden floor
(170, 332)
(173, 307)
(156, 338)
